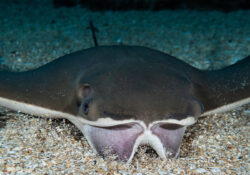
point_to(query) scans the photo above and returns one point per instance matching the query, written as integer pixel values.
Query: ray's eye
(86, 108)
(84, 97)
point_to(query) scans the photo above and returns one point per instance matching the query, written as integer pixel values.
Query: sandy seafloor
(31, 36)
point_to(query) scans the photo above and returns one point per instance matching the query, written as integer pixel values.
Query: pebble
(246, 112)
(200, 170)
(215, 170)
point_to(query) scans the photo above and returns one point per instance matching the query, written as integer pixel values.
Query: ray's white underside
(227, 107)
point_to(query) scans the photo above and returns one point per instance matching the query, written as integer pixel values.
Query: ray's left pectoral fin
(171, 137)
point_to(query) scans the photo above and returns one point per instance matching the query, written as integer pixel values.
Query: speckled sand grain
(33, 36)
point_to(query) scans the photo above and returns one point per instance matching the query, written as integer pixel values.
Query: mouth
(124, 139)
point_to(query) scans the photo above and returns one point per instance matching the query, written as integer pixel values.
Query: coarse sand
(31, 36)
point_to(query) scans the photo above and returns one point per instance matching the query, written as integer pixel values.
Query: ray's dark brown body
(133, 79)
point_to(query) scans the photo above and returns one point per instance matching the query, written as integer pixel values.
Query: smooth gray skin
(128, 82)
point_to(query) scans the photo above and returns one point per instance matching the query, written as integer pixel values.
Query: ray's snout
(123, 140)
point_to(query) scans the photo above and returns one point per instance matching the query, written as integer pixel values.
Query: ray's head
(146, 94)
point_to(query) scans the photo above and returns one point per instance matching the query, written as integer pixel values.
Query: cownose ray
(123, 96)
